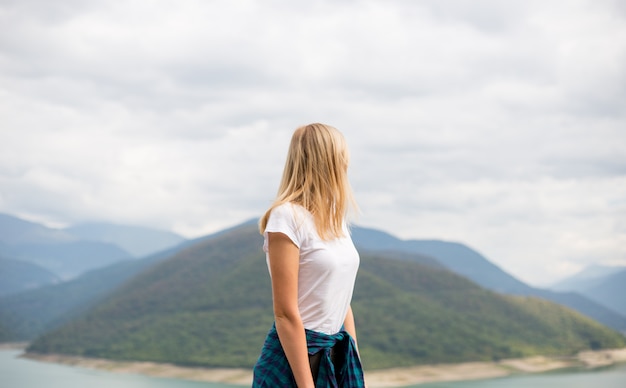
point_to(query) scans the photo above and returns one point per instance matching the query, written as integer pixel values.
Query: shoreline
(13, 345)
(384, 378)
(422, 374)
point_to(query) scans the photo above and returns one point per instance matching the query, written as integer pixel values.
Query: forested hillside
(470, 264)
(31, 313)
(210, 305)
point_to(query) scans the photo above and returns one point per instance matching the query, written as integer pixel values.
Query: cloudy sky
(499, 124)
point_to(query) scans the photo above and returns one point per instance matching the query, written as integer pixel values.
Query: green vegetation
(429, 315)
(466, 262)
(210, 305)
(31, 313)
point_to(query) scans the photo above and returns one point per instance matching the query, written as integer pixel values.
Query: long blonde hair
(316, 178)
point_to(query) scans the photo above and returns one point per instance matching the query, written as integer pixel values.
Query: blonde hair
(316, 178)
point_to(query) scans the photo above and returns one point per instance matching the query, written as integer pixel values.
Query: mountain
(68, 260)
(29, 314)
(139, 241)
(210, 305)
(589, 277)
(457, 257)
(55, 250)
(472, 265)
(602, 284)
(17, 276)
(611, 292)
(452, 319)
(14, 230)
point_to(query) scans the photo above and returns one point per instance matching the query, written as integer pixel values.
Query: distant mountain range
(138, 241)
(611, 293)
(67, 253)
(17, 276)
(132, 304)
(602, 284)
(468, 263)
(589, 277)
(16, 231)
(28, 314)
(210, 304)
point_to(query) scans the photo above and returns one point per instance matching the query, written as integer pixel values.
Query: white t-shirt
(327, 269)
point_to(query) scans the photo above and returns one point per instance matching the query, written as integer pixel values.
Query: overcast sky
(498, 124)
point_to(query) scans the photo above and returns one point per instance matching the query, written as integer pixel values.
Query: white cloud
(498, 124)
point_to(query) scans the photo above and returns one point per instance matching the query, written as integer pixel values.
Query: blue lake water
(612, 377)
(18, 372)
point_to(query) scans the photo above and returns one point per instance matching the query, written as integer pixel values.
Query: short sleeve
(282, 219)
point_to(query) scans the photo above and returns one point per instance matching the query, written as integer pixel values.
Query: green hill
(28, 314)
(431, 315)
(470, 264)
(210, 305)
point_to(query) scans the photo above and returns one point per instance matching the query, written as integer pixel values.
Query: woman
(313, 265)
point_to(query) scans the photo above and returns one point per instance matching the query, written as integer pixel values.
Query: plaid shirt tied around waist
(272, 369)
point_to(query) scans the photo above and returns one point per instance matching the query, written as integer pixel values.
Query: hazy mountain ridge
(31, 313)
(455, 256)
(602, 284)
(611, 292)
(70, 252)
(589, 277)
(215, 294)
(63, 254)
(138, 241)
(68, 260)
(17, 276)
(466, 262)
(14, 230)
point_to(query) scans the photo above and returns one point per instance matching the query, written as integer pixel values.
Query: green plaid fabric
(272, 368)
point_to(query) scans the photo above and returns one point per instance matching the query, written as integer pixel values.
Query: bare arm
(284, 265)
(349, 325)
